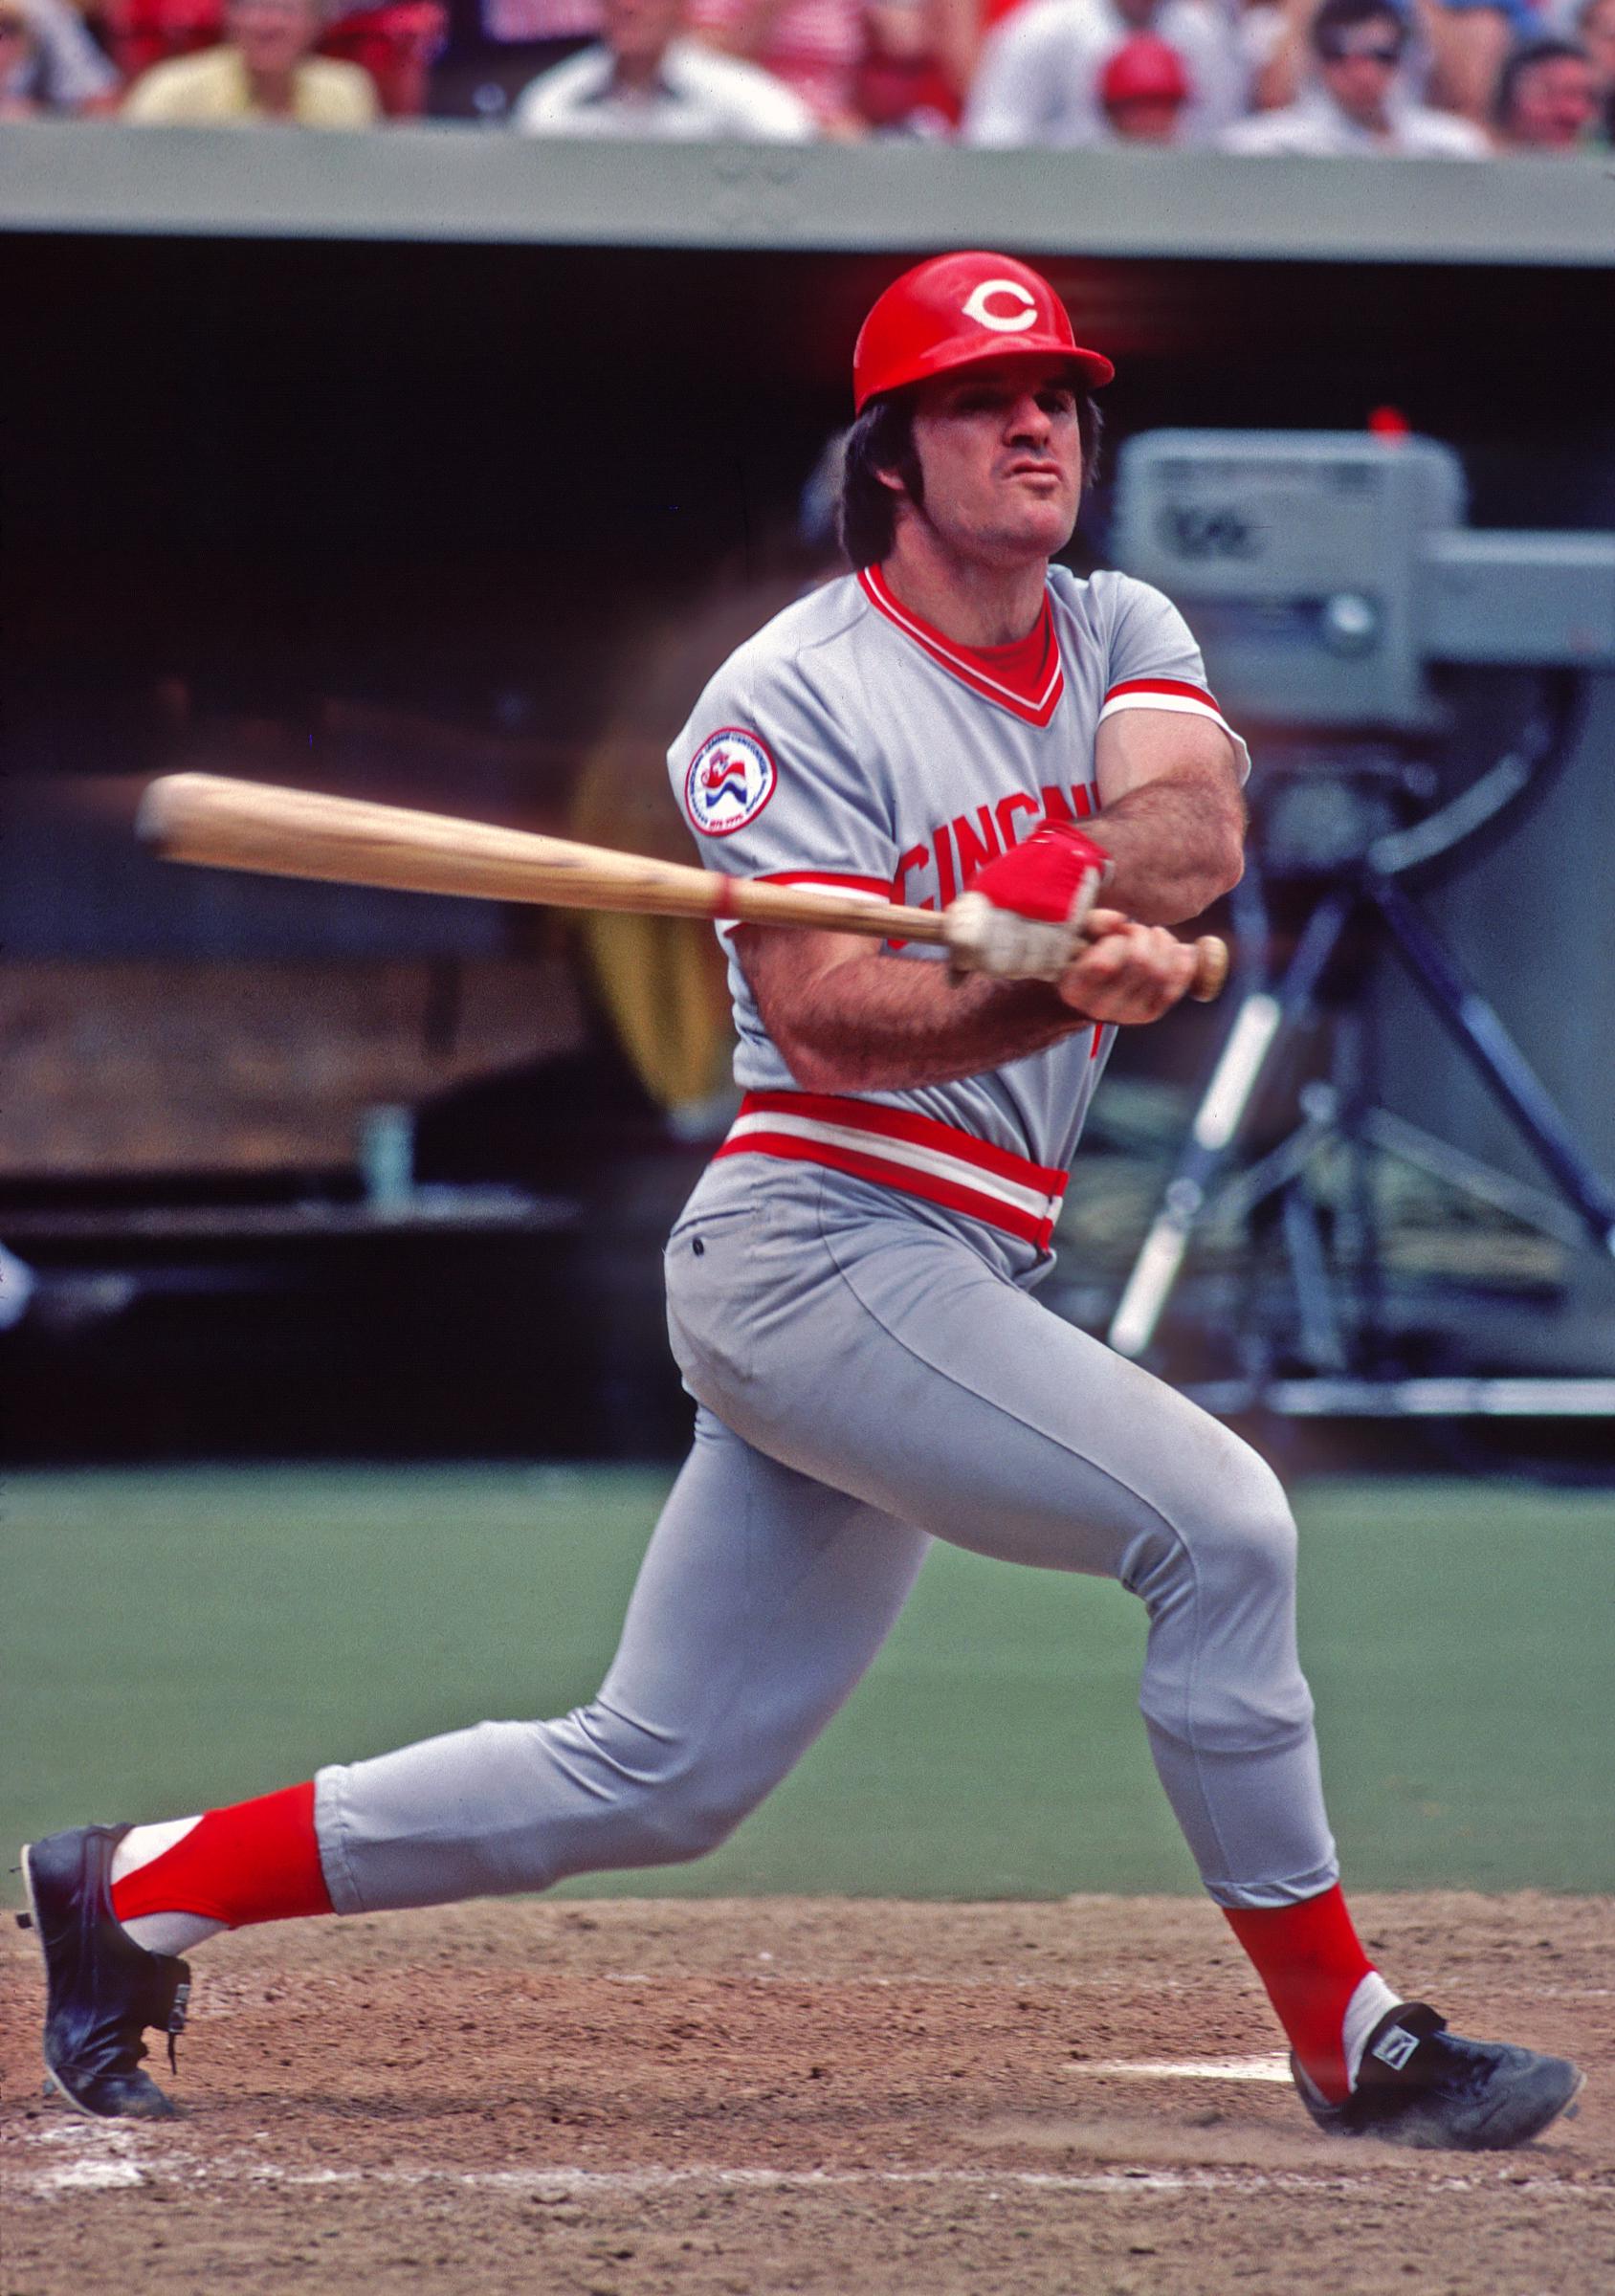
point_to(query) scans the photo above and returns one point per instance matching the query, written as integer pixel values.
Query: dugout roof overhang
(424, 184)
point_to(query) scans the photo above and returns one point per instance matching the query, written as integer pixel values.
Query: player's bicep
(1158, 716)
(1138, 746)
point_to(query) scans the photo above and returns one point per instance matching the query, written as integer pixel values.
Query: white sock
(144, 1842)
(171, 1932)
(160, 1932)
(1364, 2012)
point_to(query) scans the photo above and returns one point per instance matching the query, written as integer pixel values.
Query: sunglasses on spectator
(14, 28)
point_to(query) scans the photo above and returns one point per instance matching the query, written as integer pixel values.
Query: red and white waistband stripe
(898, 1149)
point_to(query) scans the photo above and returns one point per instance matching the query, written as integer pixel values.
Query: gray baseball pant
(873, 1373)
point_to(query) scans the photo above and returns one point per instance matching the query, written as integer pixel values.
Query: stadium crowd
(1449, 79)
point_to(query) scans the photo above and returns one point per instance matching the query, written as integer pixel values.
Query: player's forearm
(872, 1024)
(1175, 845)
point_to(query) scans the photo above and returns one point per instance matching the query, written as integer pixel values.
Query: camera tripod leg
(1260, 1024)
(1322, 1344)
(1481, 1034)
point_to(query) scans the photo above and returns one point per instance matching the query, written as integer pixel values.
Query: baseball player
(961, 724)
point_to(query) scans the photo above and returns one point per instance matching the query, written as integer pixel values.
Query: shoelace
(176, 2022)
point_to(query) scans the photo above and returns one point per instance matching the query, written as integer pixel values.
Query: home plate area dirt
(822, 2095)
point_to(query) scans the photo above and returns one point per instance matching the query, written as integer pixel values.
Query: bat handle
(1210, 970)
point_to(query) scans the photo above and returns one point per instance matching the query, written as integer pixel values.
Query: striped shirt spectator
(815, 46)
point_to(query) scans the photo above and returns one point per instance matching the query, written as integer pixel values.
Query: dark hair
(1337, 17)
(1520, 61)
(882, 439)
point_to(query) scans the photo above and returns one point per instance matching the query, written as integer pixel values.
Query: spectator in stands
(19, 64)
(263, 71)
(1143, 89)
(1038, 81)
(1547, 99)
(497, 48)
(1595, 28)
(951, 31)
(142, 32)
(1468, 41)
(915, 66)
(815, 46)
(1358, 102)
(396, 42)
(49, 63)
(919, 62)
(644, 80)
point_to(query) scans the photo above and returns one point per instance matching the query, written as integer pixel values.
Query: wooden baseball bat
(224, 824)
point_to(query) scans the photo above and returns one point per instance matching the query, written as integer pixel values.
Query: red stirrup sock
(1310, 1959)
(258, 1861)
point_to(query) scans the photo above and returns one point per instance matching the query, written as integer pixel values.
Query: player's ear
(880, 469)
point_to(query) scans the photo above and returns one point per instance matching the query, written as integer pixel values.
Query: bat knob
(1211, 970)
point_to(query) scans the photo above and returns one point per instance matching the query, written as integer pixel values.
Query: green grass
(180, 1638)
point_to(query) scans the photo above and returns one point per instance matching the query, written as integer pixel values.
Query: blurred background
(437, 462)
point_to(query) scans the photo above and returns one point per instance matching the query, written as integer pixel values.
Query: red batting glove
(1058, 867)
(1023, 915)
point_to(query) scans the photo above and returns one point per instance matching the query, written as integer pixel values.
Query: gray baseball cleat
(1421, 2085)
(101, 1989)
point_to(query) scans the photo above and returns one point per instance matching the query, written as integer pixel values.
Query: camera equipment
(1332, 584)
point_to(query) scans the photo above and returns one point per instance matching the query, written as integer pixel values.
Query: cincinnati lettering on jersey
(931, 875)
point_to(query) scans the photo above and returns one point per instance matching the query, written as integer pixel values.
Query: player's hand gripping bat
(206, 818)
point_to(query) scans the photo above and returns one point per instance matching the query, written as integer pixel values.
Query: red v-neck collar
(1026, 677)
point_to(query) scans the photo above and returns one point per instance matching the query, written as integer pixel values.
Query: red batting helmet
(1145, 70)
(956, 311)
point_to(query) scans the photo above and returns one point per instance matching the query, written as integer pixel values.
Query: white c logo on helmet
(1015, 322)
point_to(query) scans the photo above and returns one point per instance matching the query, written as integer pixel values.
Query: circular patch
(731, 778)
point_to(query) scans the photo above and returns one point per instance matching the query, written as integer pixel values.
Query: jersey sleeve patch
(731, 778)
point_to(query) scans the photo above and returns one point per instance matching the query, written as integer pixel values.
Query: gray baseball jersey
(850, 744)
(847, 1303)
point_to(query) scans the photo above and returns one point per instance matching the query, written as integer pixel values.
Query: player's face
(1001, 454)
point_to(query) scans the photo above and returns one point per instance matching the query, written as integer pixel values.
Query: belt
(898, 1149)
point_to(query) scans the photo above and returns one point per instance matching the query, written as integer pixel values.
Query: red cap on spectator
(1145, 70)
(957, 311)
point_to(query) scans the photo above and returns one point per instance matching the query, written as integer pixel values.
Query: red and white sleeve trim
(1173, 693)
(873, 889)
(896, 1148)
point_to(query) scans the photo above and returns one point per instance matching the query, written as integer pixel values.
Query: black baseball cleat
(101, 1989)
(1420, 2084)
